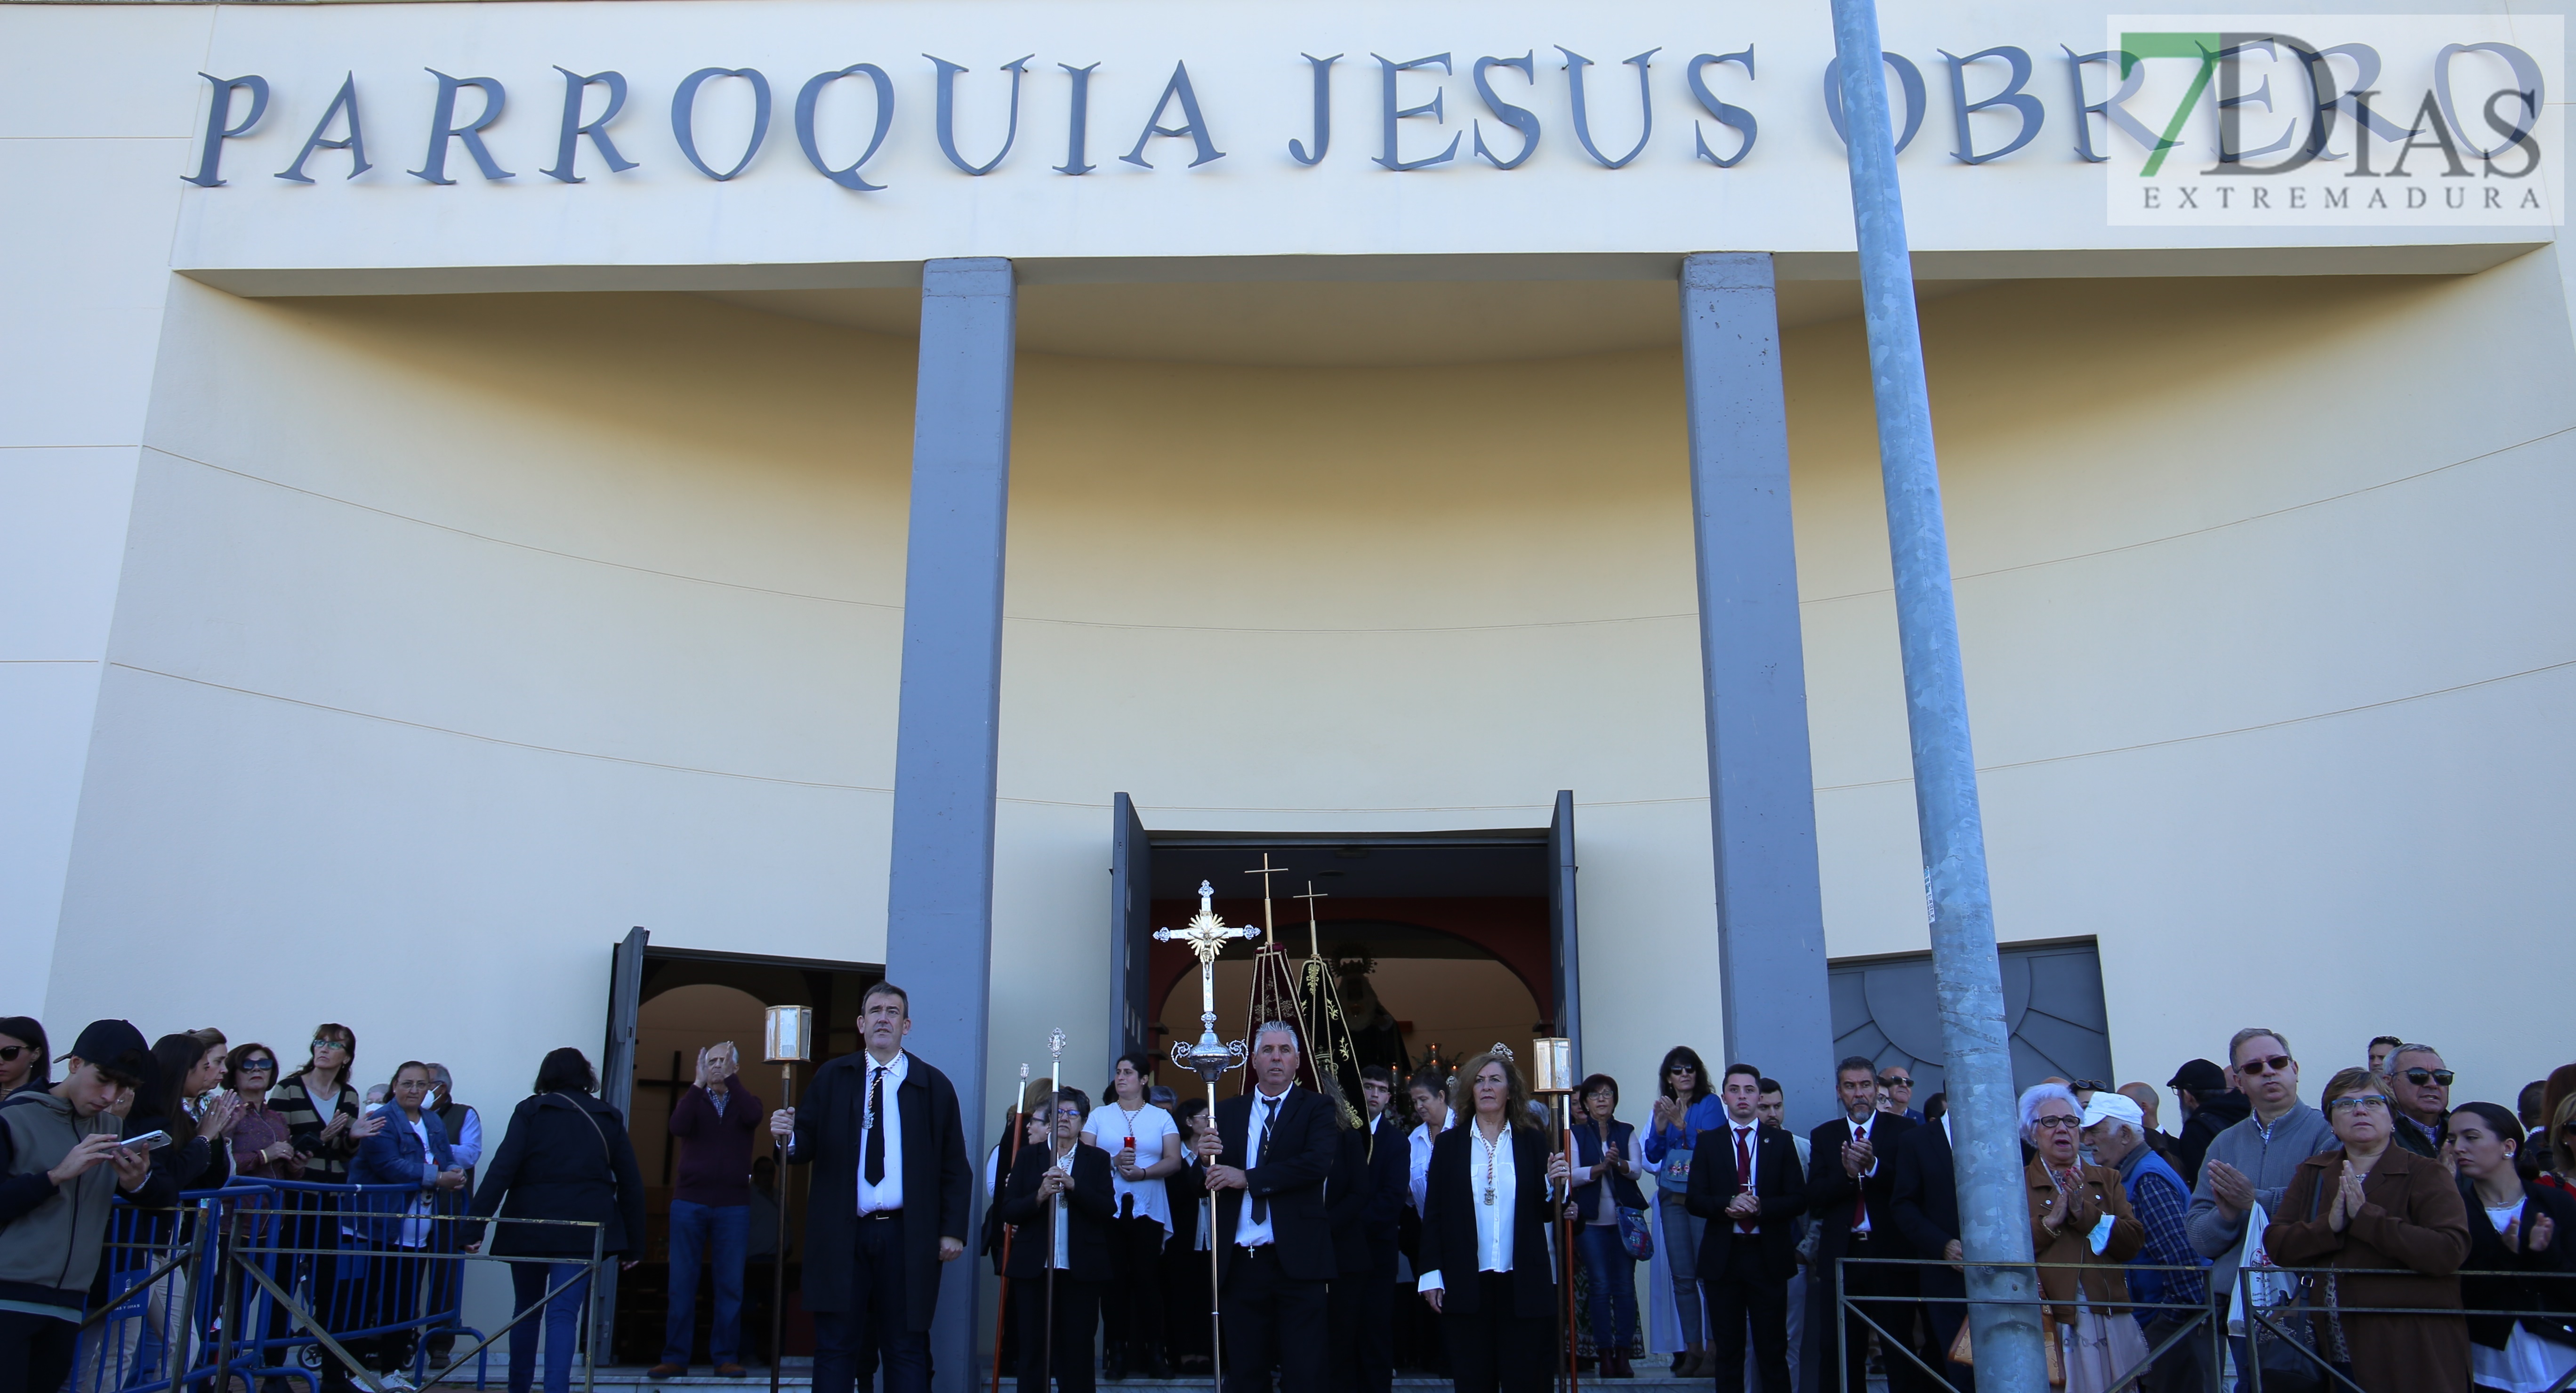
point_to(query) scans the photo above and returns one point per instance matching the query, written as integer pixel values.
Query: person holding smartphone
(61, 1162)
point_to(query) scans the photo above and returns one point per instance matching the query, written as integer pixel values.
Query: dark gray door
(1884, 1009)
(1131, 906)
(1561, 922)
(617, 1089)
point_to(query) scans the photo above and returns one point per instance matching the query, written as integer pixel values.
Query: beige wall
(456, 635)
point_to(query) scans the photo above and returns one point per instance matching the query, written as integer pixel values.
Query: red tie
(1743, 1171)
(1860, 1198)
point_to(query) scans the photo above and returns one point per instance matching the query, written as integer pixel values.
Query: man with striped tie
(891, 1201)
(1269, 1156)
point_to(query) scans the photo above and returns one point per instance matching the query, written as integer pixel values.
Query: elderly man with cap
(60, 1164)
(2210, 1105)
(2116, 1127)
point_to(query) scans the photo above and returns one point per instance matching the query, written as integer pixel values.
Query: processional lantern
(786, 1040)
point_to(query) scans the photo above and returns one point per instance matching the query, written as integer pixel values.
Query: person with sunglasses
(2082, 1232)
(2252, 1162)
(2419, 1088)
(263, 1143)
(1686, 1105)
(1896, 1093)
(2366, 1205)
(23, 1061)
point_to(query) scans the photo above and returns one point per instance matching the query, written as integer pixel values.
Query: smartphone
(148, 1141)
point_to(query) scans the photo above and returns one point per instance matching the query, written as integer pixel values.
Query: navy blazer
(1777, 1182)
(1925, 1200)
(938, 1184)
(1830, 1192)
(1303, 1144)
(395, 1156)
(1365, 1197)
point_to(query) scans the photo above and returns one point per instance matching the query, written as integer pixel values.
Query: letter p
(219, 114)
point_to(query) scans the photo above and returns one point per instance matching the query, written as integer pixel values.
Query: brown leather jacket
(2100, 1193)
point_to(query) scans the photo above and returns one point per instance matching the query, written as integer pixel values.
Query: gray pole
(1994, 1220)
(939, 895)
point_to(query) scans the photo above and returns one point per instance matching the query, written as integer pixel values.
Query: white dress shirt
(888, 1193)
(1247, 1232)
(1859, 1130)
(1418, 1142)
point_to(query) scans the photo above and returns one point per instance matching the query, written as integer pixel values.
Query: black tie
(1269, 1119)
(875, 1170)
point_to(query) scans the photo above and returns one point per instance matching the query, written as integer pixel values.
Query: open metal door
(617, 1089)
(1560, 924)
(1131, 906)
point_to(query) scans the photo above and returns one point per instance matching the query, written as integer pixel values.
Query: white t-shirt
(1108, 1128)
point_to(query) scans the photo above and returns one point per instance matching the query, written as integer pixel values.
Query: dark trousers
(1271, 1320)
(1498, 1348)
(1738, 1295)
(1077, 1315)
(1362, 1321)
(2191, 1366)
(35, 1352)
(1132, 1306)
(1185, 1301)
(848, 1345)
(1945, 1318)
(1884, 1294)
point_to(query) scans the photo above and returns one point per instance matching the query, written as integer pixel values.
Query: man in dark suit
(1270, 1155)
(1366, 1200)
(1851, 1183)
(1751, 1246)
(1924, 1200)
(891, 1200)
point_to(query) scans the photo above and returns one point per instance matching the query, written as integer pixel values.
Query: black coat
(1303, 1144)
(1777, 1182)
(1924, 1197)
(1830, 1190)
(1451, 1193)
(938, 1184)
(565, 1156)
(2215, 1114)
(1365, 1196)
(1087, 1209)
(2550, 1300)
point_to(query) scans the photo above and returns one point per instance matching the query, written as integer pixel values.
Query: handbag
(1963, 1352)
(1674, 1174)
(1635, 1234)
(2285, 1344)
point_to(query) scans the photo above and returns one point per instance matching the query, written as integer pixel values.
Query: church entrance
(1440, 943)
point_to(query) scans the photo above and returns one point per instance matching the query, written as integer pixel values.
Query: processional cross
(1210, 1059)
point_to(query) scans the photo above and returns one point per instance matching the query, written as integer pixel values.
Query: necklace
(1492, 1149)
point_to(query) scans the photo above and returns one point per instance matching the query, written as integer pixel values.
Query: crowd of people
(1437, 1230)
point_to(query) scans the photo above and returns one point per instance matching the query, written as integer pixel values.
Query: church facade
(853, 482)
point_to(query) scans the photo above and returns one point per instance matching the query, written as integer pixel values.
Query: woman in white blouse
(1144, 1146)
(1488, 1201)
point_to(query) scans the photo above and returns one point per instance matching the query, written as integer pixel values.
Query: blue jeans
(1613, 1275)
(530, 1282)
(1682, 1230)
(695, 1229)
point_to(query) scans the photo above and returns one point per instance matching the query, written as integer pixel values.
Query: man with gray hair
(2419, 1093)
(1268, 1157)
(2251, 1163)
(2116, 1128)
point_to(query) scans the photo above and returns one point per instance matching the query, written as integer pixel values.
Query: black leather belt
(881, 1214)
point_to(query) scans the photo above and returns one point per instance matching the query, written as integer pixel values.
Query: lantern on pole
(787, 1040)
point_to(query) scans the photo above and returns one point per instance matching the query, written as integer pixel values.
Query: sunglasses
(258, 1066)
(2090, 1086)
(2270, 1064)
(9, 1053)
(2370, 1103)
(1894, 1081)
(2421, 1077)
(1681, 1069)
(2053, 1123)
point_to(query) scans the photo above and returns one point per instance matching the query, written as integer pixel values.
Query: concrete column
(1762, 811)
(939, 897)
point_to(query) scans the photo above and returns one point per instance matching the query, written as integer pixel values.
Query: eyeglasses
(2050, 1124)
(2363, 1103)
(2421, 1077)
(1894, 1081)
(2271, 1064)
(9, 1053)
(330, 1044)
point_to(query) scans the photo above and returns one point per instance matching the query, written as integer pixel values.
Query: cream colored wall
(457, 635)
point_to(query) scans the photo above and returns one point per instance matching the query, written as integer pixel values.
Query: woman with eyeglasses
(2372, 1204)
(322, 1109)
(1686, 1104)
(24, 1062)
(2082, 1230)
(2524, 1230)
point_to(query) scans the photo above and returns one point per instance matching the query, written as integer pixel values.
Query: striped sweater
(327, 1162)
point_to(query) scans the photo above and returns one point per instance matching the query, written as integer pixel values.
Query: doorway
(1445, 942)
(665, 1005)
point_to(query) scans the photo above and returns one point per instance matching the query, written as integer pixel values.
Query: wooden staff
(1017, 1125)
